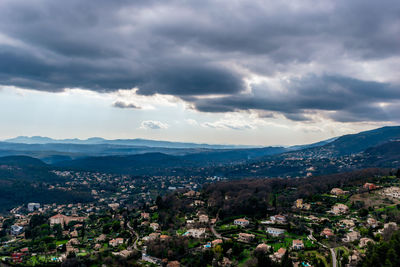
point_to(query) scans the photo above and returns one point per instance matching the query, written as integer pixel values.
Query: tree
(263, 259)
(286, 261)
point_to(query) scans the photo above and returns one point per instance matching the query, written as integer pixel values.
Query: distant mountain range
(52, 151)
(248, 161)
(120, 142)
(138, 156)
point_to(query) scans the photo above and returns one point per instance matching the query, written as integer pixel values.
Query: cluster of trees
(171, 208)
(384, 253)
(252, 196)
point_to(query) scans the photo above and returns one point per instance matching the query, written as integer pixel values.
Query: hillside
(384, 155)
(347, 144)
(355, 143)
(160, 163)
(24, 179)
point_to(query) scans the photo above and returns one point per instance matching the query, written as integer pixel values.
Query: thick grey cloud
(194, 48)
(348, 99)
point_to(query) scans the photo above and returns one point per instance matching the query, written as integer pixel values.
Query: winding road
(332, 250)
(133, 232)
(334, 263)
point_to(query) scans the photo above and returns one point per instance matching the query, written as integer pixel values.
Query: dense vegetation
(250, 196)
(384, 253)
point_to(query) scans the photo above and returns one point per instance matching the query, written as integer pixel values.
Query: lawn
(314, 254)
(193, 243)
(226, 227)
(61, 242)
(246, 255)
(342, 251)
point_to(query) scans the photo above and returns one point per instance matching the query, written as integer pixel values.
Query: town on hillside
(131, 222)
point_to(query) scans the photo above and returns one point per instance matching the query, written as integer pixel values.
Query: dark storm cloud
(350, 99)
(203, 48)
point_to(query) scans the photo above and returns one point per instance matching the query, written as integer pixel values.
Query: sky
(226, 71)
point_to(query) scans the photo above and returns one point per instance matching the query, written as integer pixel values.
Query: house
(196, 233)
(299, 203)
(392, 191)
(340, 209)
(263, 247)
(124, 253)
(190, 222)
(203, 218)
(57, 219)
(33, 206)
(245, 237)
(337, 192)
(116, 242)
(370, 186)
(278, 219)
(372, 222)
(275, 231)
(241, 222)
(16, 229)
(354, 258)
(198, 203)
(352, 236)
(297, 244)
(173, 264)
(226, 262)
(190, 193)
(277, 256)
(152, 236)
(74, 241)
(145, 215)
(390, 225)
(216, 242)
(364, 241)
(154, 226)
(101, 238)
(62, 219)
(164, 237)
(114, 206)
(327, 233)
(74, 233)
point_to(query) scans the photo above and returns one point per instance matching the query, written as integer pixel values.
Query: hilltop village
(131, 223)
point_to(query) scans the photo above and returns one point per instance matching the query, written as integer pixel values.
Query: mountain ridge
(128, 142)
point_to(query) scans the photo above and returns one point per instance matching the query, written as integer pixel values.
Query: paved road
(134, 233)
(334, 263)
(217, 235)
(332, 250)
(145, 257)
